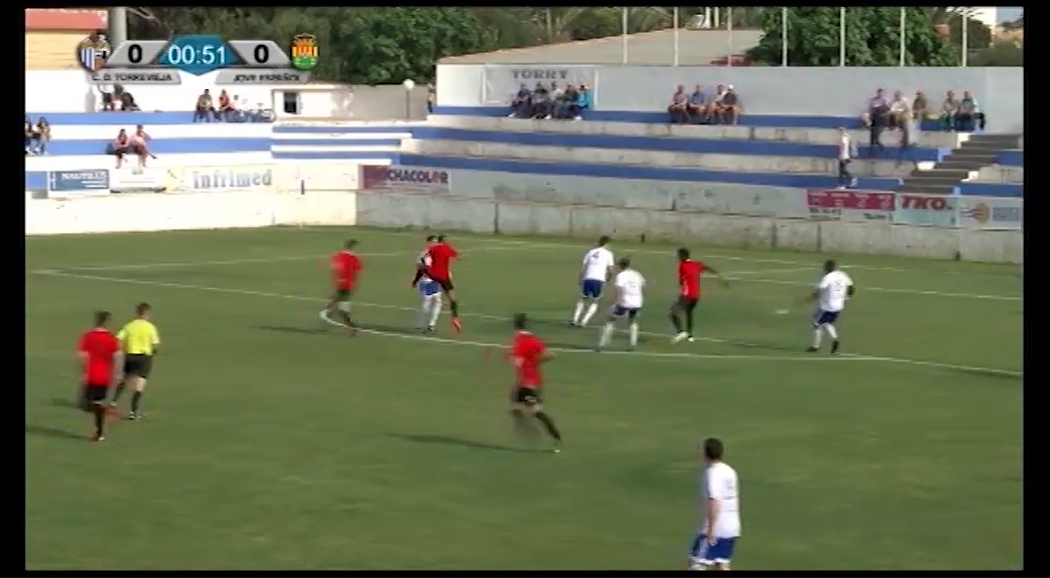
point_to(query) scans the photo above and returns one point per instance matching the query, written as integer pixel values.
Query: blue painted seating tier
(748, 154)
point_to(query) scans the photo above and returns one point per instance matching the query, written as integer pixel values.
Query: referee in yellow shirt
(139, 340)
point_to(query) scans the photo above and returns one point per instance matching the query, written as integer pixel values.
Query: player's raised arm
(705, 267)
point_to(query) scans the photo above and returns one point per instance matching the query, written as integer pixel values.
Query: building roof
(696, 48)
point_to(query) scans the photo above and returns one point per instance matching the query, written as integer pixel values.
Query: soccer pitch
(274, 441)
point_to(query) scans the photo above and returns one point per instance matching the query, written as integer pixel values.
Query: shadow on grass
(452, 441)
(51, 432)
(300, 330)
(64, 402)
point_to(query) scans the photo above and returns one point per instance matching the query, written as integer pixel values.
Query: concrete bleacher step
(979, 151)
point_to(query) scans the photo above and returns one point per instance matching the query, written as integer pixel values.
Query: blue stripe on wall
(164, 146)
(990, 189)
(669, 144)
(1010, 158)
(632, 172)
(36, 180)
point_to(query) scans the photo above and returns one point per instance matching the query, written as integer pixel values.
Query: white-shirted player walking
(712, 547)
(630, 296)
(834, 289)
(594, 272)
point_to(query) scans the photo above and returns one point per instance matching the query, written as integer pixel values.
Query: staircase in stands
(979, 151)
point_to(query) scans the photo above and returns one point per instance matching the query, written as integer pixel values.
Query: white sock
(424, 309)
(832, 332)
(435, 310)
(577, 313)
(590, 313)
(817, 334)
(607, 333)
(634, 334)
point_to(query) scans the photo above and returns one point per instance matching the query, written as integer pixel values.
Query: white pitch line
(324, 317)
(991, 370)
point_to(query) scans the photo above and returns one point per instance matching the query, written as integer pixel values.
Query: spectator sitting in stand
(29, 135)
(969, 116)
(583, 102)
(697, 106)
(677, 110)
(41, 136)
(949, 108)
(127, 102)
(224, 106)
(262, 114)
(541, 102)
(234, 112)
(521, 103)
(714, 108)
(900, 111)
(105, 93)
(730, 108)
(920, 107)
(563, 105)
(140, 145)
(120, 146)
(204, 108)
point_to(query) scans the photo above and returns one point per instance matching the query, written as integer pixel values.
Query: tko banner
(405, 179)
(840, 205)
(927, 210)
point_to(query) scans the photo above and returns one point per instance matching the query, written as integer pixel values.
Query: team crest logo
(304, 51)
(92, 52)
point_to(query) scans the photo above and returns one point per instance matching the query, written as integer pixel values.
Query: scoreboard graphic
(238, 62)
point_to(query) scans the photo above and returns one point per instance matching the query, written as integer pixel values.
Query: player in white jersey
(597, 264)
(834, 289)
(429, 290)
(630, 296)
(712, 547)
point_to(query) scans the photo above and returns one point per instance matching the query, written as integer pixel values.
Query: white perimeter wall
(825, 91)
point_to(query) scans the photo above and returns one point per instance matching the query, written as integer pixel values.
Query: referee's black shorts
(138, 364)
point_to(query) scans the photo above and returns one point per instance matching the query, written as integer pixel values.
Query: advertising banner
(502, 81)
(990, 213)
(86, 182)
(139, 181)
(235, 178)
(926, 210)
(405, 179)
(846, 205)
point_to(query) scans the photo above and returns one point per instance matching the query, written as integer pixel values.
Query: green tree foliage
(387, 45)
(358, 45)
(1001, 53)
(872, 38)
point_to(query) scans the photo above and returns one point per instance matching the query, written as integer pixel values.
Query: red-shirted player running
(346, 266)
(440, 270)
(688, 294)
(527, 353)
(97, 348)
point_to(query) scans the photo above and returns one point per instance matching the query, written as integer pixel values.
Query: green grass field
(272, 441)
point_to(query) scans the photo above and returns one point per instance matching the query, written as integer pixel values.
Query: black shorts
(445, 284)
(95, 392)
(686, 304)
(342, 294)
(526, 395)
(138, 365)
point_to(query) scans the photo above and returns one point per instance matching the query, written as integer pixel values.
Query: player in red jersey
(527, 353)
(97, 349)
(688, 293)
(346, 266)
(421, 262)
(441, 255)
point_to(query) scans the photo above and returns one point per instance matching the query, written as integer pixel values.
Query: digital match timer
(163, 62)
